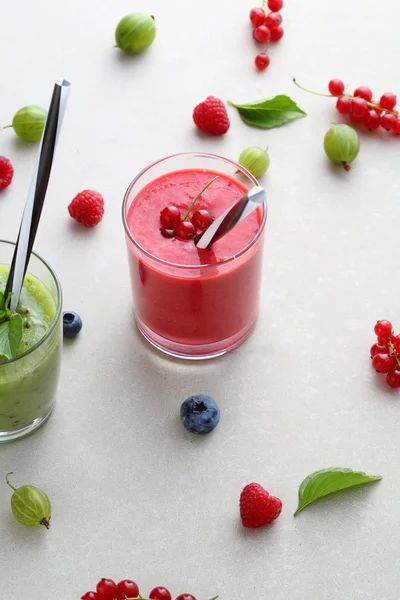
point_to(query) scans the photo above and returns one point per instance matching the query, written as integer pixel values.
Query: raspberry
(6, 172)
(257, 507)
(211, 116)
(87, 208)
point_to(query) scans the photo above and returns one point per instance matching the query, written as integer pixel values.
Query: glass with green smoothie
(28, 382)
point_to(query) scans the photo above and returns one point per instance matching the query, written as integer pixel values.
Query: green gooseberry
(28, 123)
(135, 32)
(255, 160)
(30, 506)
(342, 145)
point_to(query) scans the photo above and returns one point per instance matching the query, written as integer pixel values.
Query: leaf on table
(269, 113)
(327, 481)
(10, 336)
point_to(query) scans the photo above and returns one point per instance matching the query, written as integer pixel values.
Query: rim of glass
(194, 155)
(56, 317)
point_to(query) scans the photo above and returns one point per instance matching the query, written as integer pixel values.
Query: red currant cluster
(361, 108)
(172, 224)
(385, 353)
(127, 589)
(267, 28)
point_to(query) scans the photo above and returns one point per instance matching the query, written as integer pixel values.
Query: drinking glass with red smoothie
(189, 302)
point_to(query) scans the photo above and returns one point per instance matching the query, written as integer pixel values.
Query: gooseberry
(255, 160)
(30, 505)
(342, 144)
(135, 32)
(28, 123)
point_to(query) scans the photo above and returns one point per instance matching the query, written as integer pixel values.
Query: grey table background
(134, 495)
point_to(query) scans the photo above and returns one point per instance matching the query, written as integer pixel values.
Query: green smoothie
(29, 381)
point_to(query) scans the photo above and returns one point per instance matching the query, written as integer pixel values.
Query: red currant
(275, 5)
(388, 101)
(257, 16)
(274, 19)
(262, 34)
(170, 217)
(378, 349)
(383, 363)
(388, 121)
(377, 108)
(395, 339)
(383, 329)
(363, 92)
(343, 105)
(90, 596)
(186, 230)
(276, 34)
(359, 107)
(393, 379)
(128, 589)
(397, 128)
(336, 87)
(262, 61)
(202, 219)
(168, 233)
(356, 118)
(107, 589)
(160, 593)
(372, 120)
(186, 597)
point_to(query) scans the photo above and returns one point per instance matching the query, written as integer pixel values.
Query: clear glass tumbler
(198, 311)
(28, 382)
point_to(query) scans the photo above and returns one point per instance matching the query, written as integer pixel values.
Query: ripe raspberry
(6, 172)
(87, 208)
(211, 116)
(257, 507)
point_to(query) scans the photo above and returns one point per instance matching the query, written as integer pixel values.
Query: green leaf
(327, 481)
(10, 336)
(3, 315)
(2, 301)
(269, 113)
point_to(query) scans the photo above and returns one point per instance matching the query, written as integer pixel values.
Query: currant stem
(8, 482)
(370, 104)
(394, 353)
(312, 92)
(198, 196)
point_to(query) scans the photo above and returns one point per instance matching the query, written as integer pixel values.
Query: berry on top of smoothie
(186, 228)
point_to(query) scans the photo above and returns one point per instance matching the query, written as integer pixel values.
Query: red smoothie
(183, 296)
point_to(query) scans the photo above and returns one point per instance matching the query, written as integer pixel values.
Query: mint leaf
(10, 336)
(269, 113)
(3, 315)
(2, 302)
(327, 481)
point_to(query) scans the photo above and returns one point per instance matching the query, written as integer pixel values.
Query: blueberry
(72, 324)
(200, 414)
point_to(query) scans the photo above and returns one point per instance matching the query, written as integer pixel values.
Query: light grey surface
(134, 494)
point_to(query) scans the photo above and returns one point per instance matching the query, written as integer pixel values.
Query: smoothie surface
(179, 188)
(35, 298)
